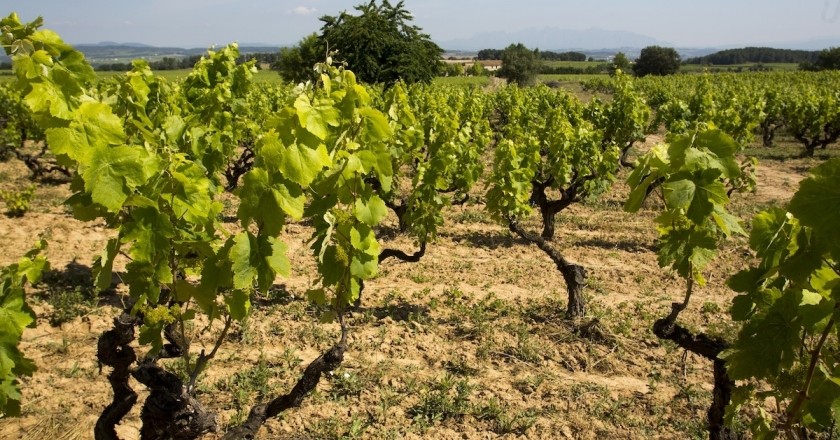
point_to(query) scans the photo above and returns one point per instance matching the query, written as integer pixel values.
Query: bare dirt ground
(469, 343)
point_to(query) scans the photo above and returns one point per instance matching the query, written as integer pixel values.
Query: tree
(620, 62)
(489, 54)
(657, 60)
(828, 59)
(381, 45)
(296, 64)
(452, 69)
(519, 64)
(476, 70)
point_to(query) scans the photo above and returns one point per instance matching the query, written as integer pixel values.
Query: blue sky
(200, 23)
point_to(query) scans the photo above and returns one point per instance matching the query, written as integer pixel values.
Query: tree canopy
(828, 59)
(296, 63)
(519, 64)
(755, 55)
(657, 60)
(380, 45)
(620, 62)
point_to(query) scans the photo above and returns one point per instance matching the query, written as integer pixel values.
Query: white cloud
(302, 10)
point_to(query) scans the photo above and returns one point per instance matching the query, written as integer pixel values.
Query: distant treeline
(756, 55)
(571, 70)
(172, 63)
(496, 54)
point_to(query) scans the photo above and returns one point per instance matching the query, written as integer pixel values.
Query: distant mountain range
(810, 44)
(108, 52)
(594, 42)
(554, 39)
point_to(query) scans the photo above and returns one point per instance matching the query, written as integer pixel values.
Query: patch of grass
(459, 365)
(475, 321)
(503, 419)
(526, 348)
(345, 383)
(313, 334)
(473, 216)
(290, 359)
(246, 387)
(338, 428)
(69, 304)
(419, 276)
(441, 400)
(530, 384)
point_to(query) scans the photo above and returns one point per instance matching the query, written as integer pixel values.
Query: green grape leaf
(239, 304)
(374, 125)
(184, 291)
(370, 211)
(95, 126)
(32, 267)
(103, 266)
(767, 344)
(113, 173)
(149, 235)
(260, 202)
(302, 164)
(807, 260)
(13, 318)
(317, 296)
(823, 405)
(315, 119)
(363, 266)
(257, 257)
(688, 251)
(151, 335)
(772, 232)
(727, 222)
(274, 252)
(215, 274)
(332, 266)
(244, 271)
(290, 198)
(742, 307)
(50, 98)
(697, 197)
(746, 280)
(12, 365)
(814, 308)
(639, 193)
(817, 202)
(363, 239)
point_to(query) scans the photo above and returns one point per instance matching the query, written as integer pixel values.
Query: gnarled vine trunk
(170, 411)
(113, 350)
(709, 348)
(573, 274)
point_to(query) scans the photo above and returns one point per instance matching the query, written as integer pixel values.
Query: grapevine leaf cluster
(788, 306)
(149, 158)
(692, 171)
(15, 316)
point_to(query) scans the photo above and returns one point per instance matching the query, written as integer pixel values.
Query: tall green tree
(657, 60)
(519, 64)
(620, 62)
(297, 63)
(828, 59)
(381, 45)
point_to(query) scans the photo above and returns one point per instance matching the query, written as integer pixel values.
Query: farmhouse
(489, 65)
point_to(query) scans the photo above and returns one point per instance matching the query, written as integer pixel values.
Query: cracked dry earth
(468, 343)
